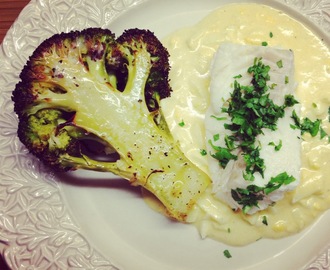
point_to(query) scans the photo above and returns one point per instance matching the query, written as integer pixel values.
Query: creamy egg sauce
(191, 51)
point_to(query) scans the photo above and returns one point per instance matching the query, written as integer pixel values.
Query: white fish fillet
(229, 61)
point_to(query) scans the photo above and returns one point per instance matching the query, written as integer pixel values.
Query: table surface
(9, 10)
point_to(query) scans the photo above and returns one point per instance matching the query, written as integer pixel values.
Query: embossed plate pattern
(38, 229)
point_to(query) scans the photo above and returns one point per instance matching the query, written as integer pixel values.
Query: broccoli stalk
(88, 86)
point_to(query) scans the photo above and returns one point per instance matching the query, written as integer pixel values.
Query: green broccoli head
(86, 86)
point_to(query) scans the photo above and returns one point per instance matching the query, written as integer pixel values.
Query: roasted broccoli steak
(87, 90)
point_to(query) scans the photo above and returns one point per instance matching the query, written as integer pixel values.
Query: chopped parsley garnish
(252, 194)
(222, 154)
(203, 152)
(272, 86)
(276, 147)
(229, 141)
(279, 64)
(227, 253)
(306, 125)
(251, 110)
(248, 197)
(182, 123)
(253, 163)
(290, 101)
(277, 181)
(264, 43)
(322, 133)
(219, 118)
(329, 114)
(216, 137)
(264, 220)
(271, 34)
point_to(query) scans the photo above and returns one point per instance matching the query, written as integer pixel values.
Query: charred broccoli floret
(87, 90)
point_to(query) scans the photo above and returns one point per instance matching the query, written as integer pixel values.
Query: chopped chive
(264, 43)
(271, 34)
(216, 137)
(286, 80)
(238, 76)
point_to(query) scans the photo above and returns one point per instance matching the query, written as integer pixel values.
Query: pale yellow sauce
(191, 51)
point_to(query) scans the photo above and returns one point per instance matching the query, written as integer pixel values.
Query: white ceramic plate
(60, 222)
